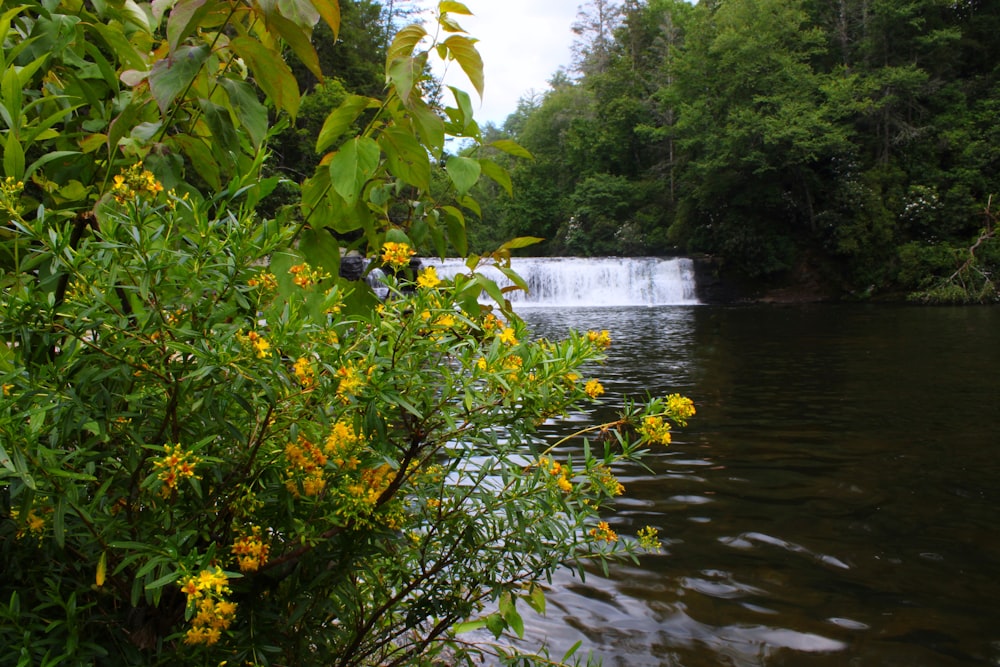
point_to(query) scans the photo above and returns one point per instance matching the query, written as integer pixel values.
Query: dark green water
(836, 501)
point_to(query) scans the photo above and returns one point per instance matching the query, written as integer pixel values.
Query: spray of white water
(566, 282)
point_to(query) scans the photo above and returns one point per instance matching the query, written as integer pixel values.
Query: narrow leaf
(13, 158)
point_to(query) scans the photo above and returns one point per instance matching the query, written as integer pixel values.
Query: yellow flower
(175, 465)
(350, 382)
(593, 388)
(265, 281)
(507, 337)
(680, 408)
(428, 278)
(654, 429)
(601, 339)
(250, 552)
(649, 538)
(304, 372)
(397, 254)
(603, 533)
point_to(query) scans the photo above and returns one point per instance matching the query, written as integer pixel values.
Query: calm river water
(836, 500)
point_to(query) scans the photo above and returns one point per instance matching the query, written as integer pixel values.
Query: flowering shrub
(213, 448)
(205, 455)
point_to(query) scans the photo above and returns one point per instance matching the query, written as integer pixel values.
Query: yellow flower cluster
(397, 255)
(350, 384)
(304, 372)
(603, 478)
(259, 344)
(305, 276)
(10, 193)
(305, 462)
(264, 280)
(559, 471)
(601, 339)
(212, 612)
(33, 524)
(343, 444)
(654, 429)
(135, 181)
(175, 465)
(649, 538)
(603, 533)
(250, 550)
(428, 278)
(373, 482)
(593, 388)
(680, 408)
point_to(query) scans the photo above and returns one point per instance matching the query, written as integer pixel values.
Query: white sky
(522, 42)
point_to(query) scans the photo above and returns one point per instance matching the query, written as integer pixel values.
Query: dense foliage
(214, 447)
(850, 143)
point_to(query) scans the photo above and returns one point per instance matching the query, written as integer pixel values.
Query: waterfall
(593, 282)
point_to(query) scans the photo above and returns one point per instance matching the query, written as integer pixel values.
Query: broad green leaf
(271, 72)
(455, 222)
(329, 10)
(13, 158)
(453, 8)
(463, 172)
(407, 159)
(320, 248)
(298, 39)
(464, 51)
(430, 126)
(184, 19)
(352, 166)
(511, 147)
(201, 158)
(500, 175)
(49, 157)
(251, 113)
(471, 204)
(464, 102)
(171, 76)
(126, 53)
(224, 137)
(405, 74)
(341, 118)
(404, 43)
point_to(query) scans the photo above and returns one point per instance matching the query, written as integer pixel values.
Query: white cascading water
(567, 282)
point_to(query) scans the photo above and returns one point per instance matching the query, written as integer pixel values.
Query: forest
(847, 145)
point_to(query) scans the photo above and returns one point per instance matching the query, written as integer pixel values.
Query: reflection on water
(834, 501)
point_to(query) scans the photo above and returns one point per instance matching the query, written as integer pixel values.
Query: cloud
(522, 42)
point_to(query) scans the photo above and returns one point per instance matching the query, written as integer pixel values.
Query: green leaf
(270, 71)
(430, 126)
(341, 118)
(329, 10)
(404, 74)
(511, 147)
(447, 7)
(464, 102)
(404, 43)
(521, 242)
(456, 229)
(251, 113)
(464, 51)
(13, 158)
(184, 19)
(224, 138)
(500, 175)
(320, 248)
(171, 76)
(407, 159)
(298, 39)
(352, 166)
(463, 172)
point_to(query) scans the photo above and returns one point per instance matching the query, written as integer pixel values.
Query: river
(834, 502)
